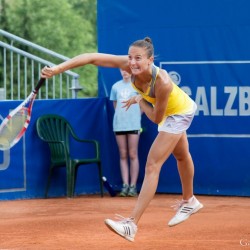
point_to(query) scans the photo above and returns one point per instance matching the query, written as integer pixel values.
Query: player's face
(138, 60)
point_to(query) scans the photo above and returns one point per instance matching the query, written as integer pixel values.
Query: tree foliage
(67, 27)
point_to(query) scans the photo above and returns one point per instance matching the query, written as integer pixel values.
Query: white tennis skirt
(177, 124)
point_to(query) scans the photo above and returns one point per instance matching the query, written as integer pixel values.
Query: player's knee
(185, 156)
(152, 168)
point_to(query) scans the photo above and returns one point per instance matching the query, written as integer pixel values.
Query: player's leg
(189, 204)
(159, 152)
(185, 166)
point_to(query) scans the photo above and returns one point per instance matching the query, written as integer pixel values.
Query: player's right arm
(98, 59)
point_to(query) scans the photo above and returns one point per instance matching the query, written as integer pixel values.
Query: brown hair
(145, 43)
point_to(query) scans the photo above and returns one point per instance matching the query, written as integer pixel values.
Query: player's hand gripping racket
(16, 123)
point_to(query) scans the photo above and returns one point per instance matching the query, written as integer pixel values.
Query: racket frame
(30, 99)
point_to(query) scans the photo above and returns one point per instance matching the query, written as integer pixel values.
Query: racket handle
(40, 83)
(108, 187)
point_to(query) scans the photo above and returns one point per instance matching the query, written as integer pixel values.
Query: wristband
(138, 98)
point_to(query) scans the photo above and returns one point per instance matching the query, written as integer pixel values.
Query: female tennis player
(173, 110)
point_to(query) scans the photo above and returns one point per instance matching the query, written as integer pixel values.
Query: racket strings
(16, 123)
(13, 128)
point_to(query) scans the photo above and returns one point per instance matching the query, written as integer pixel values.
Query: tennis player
(165, 104)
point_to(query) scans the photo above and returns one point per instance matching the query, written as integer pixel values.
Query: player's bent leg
(189, 204)
(185, 166)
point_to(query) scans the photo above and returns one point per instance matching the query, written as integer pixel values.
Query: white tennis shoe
(185, 208)
(125, 227)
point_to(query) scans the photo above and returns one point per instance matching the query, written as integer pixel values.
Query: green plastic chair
(56, 131)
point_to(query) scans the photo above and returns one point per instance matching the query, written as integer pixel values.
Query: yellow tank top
(178, 103)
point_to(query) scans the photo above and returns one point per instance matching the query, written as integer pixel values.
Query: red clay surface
(78, 223)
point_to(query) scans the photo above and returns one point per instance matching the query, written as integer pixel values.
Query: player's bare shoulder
(163, 81)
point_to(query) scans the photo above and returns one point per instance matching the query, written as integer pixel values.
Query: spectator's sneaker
(124, 191)
(132, 192)
(185, 208)
(125, 227)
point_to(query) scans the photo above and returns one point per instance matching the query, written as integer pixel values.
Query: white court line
(205, 62)
(219, 135)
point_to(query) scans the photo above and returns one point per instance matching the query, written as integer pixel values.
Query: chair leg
(73, 179)
(69, 180)
(100, 177)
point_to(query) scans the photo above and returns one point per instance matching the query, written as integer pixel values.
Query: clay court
(61, 223)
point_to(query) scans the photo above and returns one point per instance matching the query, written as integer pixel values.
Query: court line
(219, 135)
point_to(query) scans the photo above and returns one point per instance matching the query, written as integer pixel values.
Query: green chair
(57, 132)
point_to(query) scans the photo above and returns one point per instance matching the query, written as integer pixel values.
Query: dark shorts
(133, 132)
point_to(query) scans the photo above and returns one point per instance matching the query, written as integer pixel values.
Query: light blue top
(125, 120)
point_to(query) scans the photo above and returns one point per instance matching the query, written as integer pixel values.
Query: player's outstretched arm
(98, 59)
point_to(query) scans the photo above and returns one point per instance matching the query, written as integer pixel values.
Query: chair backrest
(54, 128)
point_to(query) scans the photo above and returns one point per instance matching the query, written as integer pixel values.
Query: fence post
(75, 86)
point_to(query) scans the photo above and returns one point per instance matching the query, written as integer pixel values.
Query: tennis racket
(16, 123)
